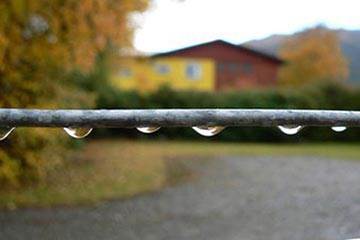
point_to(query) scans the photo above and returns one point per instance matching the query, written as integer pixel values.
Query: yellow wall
(143, 74)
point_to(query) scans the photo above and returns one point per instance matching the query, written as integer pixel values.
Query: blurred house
(211, 66)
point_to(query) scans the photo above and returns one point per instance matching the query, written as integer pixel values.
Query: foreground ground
(238, 192)
(117, 169)
(235, 198)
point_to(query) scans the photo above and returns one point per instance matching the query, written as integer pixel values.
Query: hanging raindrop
(290, 129)
(5, 132)
(148, 129)
(208, 131)
(78, 133)
(338, 128)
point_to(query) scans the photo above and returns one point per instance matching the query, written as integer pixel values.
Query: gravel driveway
(242, 198)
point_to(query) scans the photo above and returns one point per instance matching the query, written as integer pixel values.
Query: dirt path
(242, 198)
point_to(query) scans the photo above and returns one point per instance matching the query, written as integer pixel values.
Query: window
(125, 72)
(162, 68)
(233, 67)
(221, 67)
(193, 71)
(247, 68)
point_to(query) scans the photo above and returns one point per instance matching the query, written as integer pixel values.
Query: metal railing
(175, 118)
(207, 122)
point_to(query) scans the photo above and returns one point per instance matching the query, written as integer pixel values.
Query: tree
(41, 42)
(313, 55)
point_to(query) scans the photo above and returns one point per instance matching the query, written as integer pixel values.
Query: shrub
(323, 95)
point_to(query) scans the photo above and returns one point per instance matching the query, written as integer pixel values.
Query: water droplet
(290, 129)
(208, 131)
(338, 128)
(78, 132)
(5, 131)
(148, 129)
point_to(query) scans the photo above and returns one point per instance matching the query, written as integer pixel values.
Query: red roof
(236, 47)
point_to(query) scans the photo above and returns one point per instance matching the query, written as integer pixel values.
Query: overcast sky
(171, 24)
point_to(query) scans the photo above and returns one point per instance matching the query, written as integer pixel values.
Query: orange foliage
(313, 55)
(40, 42)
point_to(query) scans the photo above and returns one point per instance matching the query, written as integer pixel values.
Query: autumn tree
(313, 55)
(41, 42)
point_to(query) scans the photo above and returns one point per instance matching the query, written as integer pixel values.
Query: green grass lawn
(114, 169)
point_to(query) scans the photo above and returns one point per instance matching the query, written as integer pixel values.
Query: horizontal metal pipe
(175, 118)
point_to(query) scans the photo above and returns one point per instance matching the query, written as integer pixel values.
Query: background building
(216, 65)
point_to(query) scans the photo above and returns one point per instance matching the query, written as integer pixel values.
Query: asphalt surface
(242, 198)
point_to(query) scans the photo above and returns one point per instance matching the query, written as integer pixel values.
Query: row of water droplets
(206, 131)
(294, 129)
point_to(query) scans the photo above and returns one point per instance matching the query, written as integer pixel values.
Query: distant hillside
(350, 44)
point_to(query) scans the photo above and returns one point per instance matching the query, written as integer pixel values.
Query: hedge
(320, 96)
